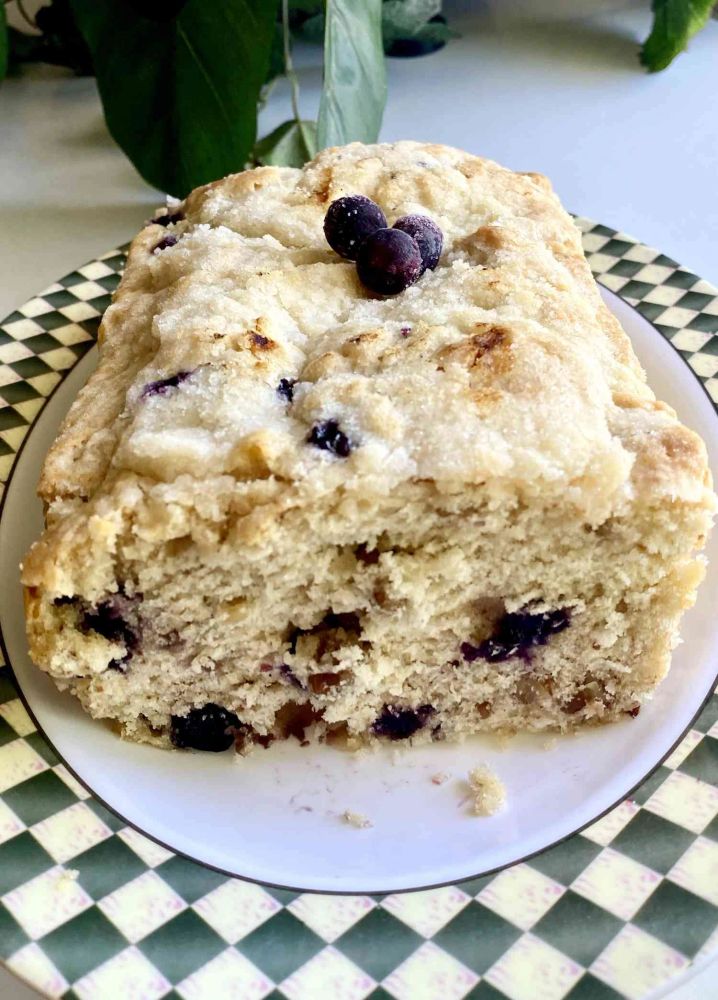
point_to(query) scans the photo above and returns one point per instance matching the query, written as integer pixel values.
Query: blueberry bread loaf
(287, 506)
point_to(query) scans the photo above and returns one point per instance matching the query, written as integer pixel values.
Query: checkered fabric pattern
(91, 909)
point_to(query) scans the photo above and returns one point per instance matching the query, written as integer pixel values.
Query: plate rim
(585, 225)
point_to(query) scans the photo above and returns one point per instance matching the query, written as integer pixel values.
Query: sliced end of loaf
(422, 614)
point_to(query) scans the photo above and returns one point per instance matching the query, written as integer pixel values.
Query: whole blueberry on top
(389, 261)
(428, 236)
(209, 728)
(349, 221)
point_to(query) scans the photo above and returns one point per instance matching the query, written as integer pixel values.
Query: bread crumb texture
(487, 791)
(506, 542)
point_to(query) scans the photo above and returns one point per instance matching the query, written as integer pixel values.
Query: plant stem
(24, 13)
(292, 77)
(266, 91)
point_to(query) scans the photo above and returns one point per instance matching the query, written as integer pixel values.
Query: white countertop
(635, 151)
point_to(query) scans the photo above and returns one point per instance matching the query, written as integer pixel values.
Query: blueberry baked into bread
(287, 504)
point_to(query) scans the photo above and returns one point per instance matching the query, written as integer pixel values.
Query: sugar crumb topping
(499, 366)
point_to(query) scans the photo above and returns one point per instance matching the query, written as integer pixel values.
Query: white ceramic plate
(276, 816)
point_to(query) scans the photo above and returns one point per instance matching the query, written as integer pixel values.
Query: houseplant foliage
(674, 24)
(181, 81)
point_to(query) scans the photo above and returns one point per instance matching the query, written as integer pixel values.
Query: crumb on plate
(66, 877)
(488, 792)
(356, 819)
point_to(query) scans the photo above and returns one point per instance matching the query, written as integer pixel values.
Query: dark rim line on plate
(344, 892)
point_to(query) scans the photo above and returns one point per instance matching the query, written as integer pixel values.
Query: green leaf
(312, 29)
(354, 92)
(59, 43)
(289, 145)
(275, 67)
(436, 32)
(404, 18)
(416, 21)
(307, 12)
(180, 94)
(3, 42)
(674, 24)
(306, 6)
(22, 48)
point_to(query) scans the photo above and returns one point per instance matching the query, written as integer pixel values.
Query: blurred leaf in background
(354, 91)
(414, 27)
(180, 91)
(276, 55)
(308, 20)
(674, 24)
(61, 42)
(294, 142)
(409, 27)
(182, 81)
(289, 145)
(56, 41)
(3, 42)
